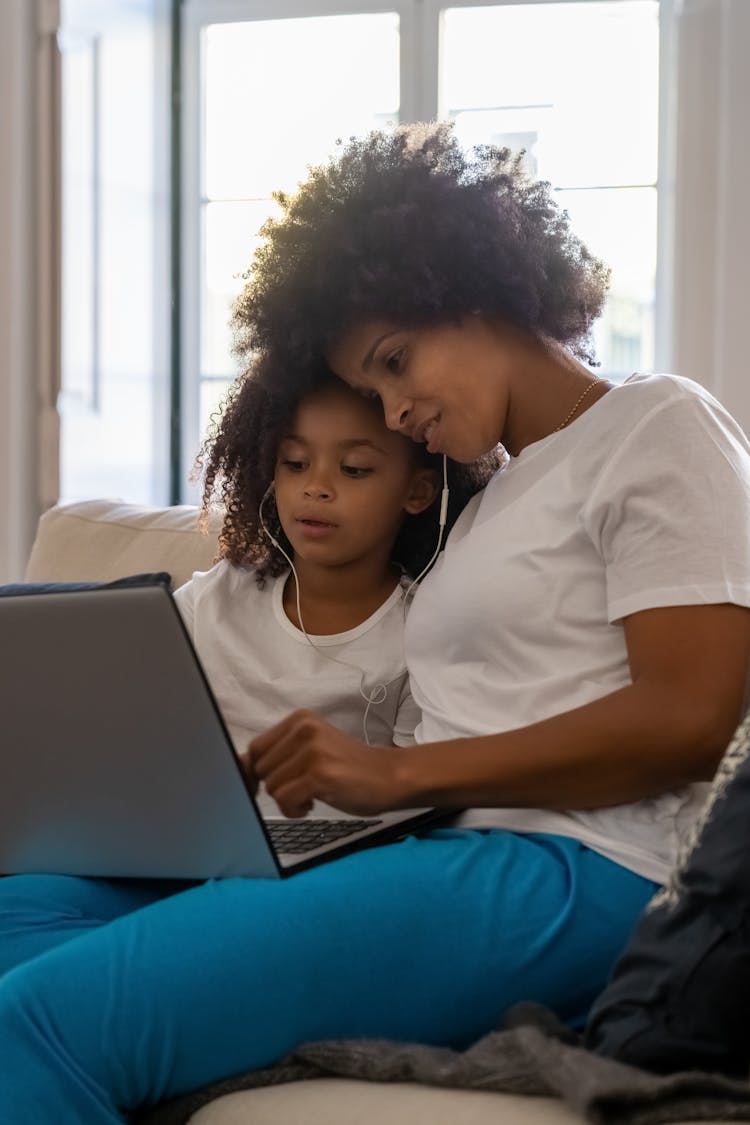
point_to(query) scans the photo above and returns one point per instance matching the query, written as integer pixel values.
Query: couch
(97, 540)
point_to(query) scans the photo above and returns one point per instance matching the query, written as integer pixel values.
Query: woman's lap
(429, 940)
(39, 912)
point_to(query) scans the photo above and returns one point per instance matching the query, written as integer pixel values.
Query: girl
(316, 481)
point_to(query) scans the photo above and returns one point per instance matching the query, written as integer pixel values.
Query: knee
(22, 1017)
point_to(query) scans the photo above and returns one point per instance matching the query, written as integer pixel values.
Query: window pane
(576, 86)
(230, 237)
(276, 96)
(619, 226)
(576, 83)
(278, 93)
(115, 267)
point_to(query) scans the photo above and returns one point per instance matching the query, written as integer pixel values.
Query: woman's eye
(394, 361)
(371, 396)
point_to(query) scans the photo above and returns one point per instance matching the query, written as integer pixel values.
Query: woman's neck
(336, 599)
(548, 389)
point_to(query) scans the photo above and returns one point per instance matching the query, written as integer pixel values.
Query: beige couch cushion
(343, 1101)
(99, 540)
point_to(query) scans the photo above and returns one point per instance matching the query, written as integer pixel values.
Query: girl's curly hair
(238, 458)
(407, 227)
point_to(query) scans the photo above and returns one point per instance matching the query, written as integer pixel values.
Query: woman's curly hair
(238, 459)
(407, 227)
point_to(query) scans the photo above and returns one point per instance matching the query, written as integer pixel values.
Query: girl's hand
(304, 758)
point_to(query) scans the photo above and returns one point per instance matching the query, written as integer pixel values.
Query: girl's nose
(317, 491)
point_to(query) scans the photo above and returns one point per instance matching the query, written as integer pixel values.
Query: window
(269, 87)
(271, 103)
(115, 293)
(122, 381)
(576, 86)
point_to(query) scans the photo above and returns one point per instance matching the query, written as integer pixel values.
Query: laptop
(116, 759)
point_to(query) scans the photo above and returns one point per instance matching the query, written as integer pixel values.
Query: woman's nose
(397, 411)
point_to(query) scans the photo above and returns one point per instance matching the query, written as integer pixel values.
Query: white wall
(712, 179)
(18, 286)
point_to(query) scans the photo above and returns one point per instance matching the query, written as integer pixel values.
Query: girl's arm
(689, 667)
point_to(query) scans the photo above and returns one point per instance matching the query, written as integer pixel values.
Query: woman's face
(446, 385)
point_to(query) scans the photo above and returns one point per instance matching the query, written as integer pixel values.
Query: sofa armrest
(99, 540)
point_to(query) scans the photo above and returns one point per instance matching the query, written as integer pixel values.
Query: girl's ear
(424, 487)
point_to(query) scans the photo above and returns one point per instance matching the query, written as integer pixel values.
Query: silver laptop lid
(115, 759)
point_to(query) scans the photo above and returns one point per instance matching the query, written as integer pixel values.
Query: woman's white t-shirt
(642, 502)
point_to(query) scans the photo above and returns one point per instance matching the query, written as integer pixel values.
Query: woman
(583, 643)
(579, 654)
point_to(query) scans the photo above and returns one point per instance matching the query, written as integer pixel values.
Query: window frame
(419, 74)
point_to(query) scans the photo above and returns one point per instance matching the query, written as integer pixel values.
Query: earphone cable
(379, 691)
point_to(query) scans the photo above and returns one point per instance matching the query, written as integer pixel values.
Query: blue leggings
(118, 994)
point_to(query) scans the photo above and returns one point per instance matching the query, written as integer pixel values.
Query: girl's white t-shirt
(642, 502)
(261, 667)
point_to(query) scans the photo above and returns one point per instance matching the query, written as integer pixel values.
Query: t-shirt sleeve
(184, 598)
(408, 716)
(670, 512)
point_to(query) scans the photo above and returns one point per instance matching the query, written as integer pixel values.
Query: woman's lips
(432, 437)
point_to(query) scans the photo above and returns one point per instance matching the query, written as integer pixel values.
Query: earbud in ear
(269, 492)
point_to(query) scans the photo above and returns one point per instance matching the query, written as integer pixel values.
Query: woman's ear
(424, 487)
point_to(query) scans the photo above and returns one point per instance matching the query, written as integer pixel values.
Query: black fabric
(679, 997)
(21, 589)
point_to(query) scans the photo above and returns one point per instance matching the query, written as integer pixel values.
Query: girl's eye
(294, 466)
(355, 471)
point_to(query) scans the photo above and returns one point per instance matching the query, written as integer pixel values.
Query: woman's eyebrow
(367, 361)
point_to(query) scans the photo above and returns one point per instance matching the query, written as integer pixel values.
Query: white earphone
(379, 692)
(442, 519)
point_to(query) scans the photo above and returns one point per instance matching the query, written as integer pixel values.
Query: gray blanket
(533, 1055)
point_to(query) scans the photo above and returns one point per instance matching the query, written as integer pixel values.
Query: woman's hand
(304, 758)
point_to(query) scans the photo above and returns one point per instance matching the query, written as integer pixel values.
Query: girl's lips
(315, 529)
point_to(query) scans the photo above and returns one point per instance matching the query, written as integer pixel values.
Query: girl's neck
(336, 599)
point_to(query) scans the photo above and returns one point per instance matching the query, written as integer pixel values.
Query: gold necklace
(578, 402)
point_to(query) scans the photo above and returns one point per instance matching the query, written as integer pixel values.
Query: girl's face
(446, 385)
(344, 482)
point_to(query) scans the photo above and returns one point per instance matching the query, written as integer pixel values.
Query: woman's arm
(689, 667)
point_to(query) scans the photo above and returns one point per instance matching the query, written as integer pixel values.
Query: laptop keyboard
(304, 835)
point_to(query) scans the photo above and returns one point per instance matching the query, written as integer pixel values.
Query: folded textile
(532, 1055)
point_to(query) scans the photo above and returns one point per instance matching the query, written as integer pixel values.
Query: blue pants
(115, 995)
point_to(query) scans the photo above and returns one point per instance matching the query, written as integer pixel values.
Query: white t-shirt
(643, 501)
(261, 667)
